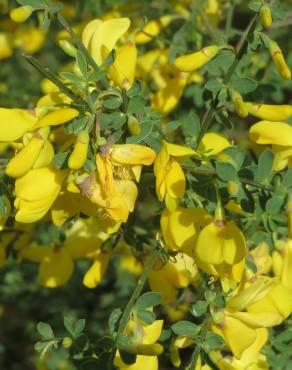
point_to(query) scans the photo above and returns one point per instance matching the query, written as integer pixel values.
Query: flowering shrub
(146, 184)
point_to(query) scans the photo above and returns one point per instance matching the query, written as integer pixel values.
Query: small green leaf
(265, 165)
(97, 75)
(69, 325)
(191, 125)
(79, 327)
(45, 330)
(60, 160)
(71, 77)
(46, 21)
(136, 104)
(149, 299)
(214, 85)
(113, 319)
(32, 3)
(109, 59)
(255, 5)
(81, 64)
(2, 206)
(244, 85)
(185, 328)
(135, 89)
(251, 265)
(213, 341)
(226, 171)
(112, 103)
(146, 316)
(199, 308)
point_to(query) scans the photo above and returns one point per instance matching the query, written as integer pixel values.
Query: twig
(47, 73)
(196, 352)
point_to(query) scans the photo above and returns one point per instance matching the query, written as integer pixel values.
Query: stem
(136, 293)
(243, 180)
(229, 19)
(47, 73)
(216, 38)
(196, 352)
(241, 47)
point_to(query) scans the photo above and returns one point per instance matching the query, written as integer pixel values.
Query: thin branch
(47, 73)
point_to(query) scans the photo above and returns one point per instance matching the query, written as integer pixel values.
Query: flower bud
(133, 125)
(79, 154)
(68, 48)
(191, 62)
(67, 342)
(266, 16)
(232, 187)
(279, 60)
(21, 14)
(239, 104)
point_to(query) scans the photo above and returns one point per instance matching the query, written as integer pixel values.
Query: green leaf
(40, 346)
(214, 85)
(226, 171)
(213, 341)
(109, 60)
(135, 89)
(32, 3)
(80, 60)
(112, 103)
(223, 60)
(255, 5)
(97, 75)
(79, 327)
(136, 104)
(251, 265)
(68, 325)
(149, 299)
(265, 165)
(146, 316)
(275, 203)
(185, 328)
(236, 154)
(171, 126)
(71, 77)
(113, 319)
(46, 21)
(61, 160)
(191, 125)
(243, 85)
(77, 125)
(45, 330)
(223, 120)
(199, 308)
(287, 179)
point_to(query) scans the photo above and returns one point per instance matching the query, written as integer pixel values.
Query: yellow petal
(56, 269)
(58, 117)
(132, 154)
(96, 271)
(79, 154)
(266, 132)
(191, 62)
(178, 150)
(151, 333)
(175, 180)
(15, 123)
(269, 112)
(213, 143)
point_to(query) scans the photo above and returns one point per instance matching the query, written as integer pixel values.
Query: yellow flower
(21, 13)
(20, 122)
(282, 263)
(35, 193)
(168, 97)
(5, 46)
(25, 159)
(213, 144)
(29, 39)
(269, 112)
(170, 178)
(175, 274)
(123, 70)
(279, 60)
(98, 33)
(152, 29)
(194, 61)
(143, 344)
(266, 16)
(83, 239)
(181, 227)
(79, 154)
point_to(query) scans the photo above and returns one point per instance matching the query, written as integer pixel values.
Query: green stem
(47, 73)
(197, 350)
(136, 293)
(243, 180)
(216, 38)
(241, 47)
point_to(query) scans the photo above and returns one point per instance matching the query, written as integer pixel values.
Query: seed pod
(191, 62)
(23, 161)
(133, 125)
(269, 112)
(21, 14)
(266, 16)
(279, 60)
(68, 48)
(239, 104)
(79, 154)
